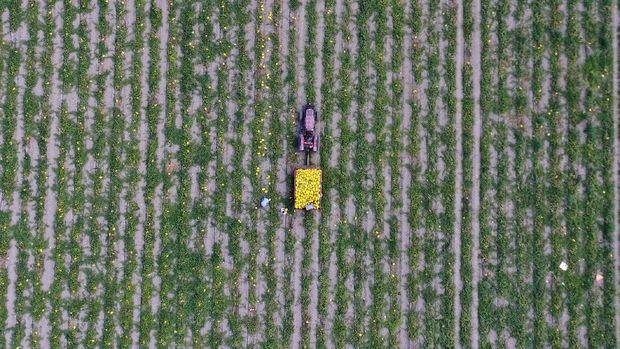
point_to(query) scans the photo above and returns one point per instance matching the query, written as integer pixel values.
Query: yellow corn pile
(307, 187)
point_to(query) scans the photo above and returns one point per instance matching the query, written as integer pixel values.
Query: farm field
(469, 155)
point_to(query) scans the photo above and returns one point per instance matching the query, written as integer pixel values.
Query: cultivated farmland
(469, 157)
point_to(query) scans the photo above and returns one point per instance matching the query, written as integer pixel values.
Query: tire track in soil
(297, 228)
(406, 161)
(475, 197)
(314, 264)
(458, 188)
(309, 242)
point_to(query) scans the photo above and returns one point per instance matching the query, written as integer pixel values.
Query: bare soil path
(297, 228)
(405, 180)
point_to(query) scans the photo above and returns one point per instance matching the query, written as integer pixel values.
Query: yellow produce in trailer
(308, 189)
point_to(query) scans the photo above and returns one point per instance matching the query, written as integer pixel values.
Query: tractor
(308, 138)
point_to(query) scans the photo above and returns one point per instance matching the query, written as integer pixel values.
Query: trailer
(307, 188)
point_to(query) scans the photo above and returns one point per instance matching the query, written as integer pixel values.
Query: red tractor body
(308, 139)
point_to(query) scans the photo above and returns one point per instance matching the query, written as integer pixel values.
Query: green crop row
(24, 232)
(487, 317)
(133, 158)
(396, 134)
(340, 329)
(467, 137)
(361, 166)
(41, 297)
(522, 226)
(112, 291)
(5, 177)
(328, 108)
(153, 177)
(237, 231)
(414, 218)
